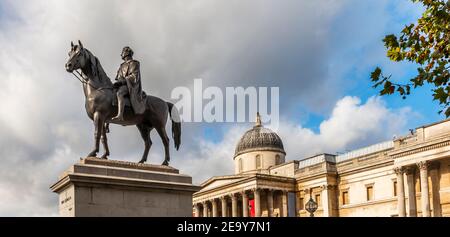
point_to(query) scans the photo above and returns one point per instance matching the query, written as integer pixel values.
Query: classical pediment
(219, 181)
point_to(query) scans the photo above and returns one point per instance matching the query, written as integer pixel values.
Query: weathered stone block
(97, 187)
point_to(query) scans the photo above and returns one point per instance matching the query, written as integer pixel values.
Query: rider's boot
(120, 109)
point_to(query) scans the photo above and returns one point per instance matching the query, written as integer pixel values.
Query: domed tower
(258, 149)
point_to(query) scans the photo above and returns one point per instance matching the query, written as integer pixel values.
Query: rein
(84, 81)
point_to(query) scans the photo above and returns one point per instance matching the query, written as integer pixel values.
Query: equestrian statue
(122, 102)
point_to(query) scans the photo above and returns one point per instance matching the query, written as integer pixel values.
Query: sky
(319, 53)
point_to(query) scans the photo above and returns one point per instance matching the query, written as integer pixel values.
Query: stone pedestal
(97, 187)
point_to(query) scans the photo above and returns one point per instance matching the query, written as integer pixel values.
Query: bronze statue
(101, 96)
(128, 82)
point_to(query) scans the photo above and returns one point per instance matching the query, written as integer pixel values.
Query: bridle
(81, 78)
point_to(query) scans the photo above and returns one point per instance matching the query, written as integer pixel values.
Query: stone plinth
(98, 187)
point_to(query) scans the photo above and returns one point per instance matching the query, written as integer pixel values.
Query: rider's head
(126, 52)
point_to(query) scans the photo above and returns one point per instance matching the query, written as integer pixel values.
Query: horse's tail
(176, 124)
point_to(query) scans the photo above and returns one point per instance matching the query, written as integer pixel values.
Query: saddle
(126, 101)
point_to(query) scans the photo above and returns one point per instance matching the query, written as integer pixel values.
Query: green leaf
(426, 43)
(375, 75)
(447, 112)
(440, 95)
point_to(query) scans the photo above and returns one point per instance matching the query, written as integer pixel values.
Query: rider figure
(128, 84)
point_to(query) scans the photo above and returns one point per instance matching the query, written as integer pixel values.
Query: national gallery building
(407, 176)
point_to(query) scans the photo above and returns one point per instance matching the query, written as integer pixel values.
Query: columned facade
(257, 201)
(244, 204)
(205, 209)
(406, 176)
(214, 208)
(401, 206)
(424, 191)
(223, 201)
(428, 171)
(210, 208)
(269, 195)
(284, 203)
(412, 201)
(327, 199)
(435, 188)
(234, 205)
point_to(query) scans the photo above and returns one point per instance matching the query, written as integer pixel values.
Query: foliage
(427, 44)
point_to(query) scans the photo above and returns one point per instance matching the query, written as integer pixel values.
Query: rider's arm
(120, 81)
(118, 75)
(134, 71)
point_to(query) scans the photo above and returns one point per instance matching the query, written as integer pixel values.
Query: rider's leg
(121, 93)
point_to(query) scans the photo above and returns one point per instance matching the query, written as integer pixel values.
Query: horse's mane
(97, 68)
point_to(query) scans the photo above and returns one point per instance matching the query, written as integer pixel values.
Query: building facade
(406, 176)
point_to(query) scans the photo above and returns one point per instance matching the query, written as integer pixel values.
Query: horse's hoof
(166, 163)
(104, 157)
(92, 154)
(141, 162)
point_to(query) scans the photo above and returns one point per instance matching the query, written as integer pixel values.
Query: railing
(365, 151)
(316, 160)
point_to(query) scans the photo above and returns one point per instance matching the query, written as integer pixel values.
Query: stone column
(298, 207)
(284, 203)
(436, 197)
(234, 205)
(257, 201)
(214, 208)
(244, 204)
(401, 208)
(197, 210)
(425, 197)
(205, 209)
(325, 201)
(224, 206)
(412, 202)
(270, 203)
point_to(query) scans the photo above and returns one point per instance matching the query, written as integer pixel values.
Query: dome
(259, 138)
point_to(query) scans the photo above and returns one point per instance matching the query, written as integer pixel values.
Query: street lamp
(311, 205)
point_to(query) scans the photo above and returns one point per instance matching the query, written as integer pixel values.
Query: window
(395, 188)
(369, 190)
(277, 159)
(258, 162)
(240, 165)
(301, 204)
(317, 199)
(345, 198)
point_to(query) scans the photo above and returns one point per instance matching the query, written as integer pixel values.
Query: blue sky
(319, 53)
(368, 42)
(357, 39)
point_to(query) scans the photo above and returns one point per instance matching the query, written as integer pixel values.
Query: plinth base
(98, 187)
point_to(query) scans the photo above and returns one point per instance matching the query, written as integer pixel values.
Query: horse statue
(100, 97)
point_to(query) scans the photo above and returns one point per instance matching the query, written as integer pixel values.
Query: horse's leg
(98, 123)
(165, 139)
(145, 134)
(105, 143)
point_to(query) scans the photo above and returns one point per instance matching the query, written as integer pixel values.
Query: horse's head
(77, 57)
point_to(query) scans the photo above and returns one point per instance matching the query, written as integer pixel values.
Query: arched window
(258, 162)
(240, 165)
(277, 159)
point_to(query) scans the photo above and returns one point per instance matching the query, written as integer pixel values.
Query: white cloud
(350, 125)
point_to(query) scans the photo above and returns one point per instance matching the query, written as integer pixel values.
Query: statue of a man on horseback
(128, 82)
(148, 112)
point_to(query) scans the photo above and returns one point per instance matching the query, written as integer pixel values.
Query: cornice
(421, 147)
(251, 178)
